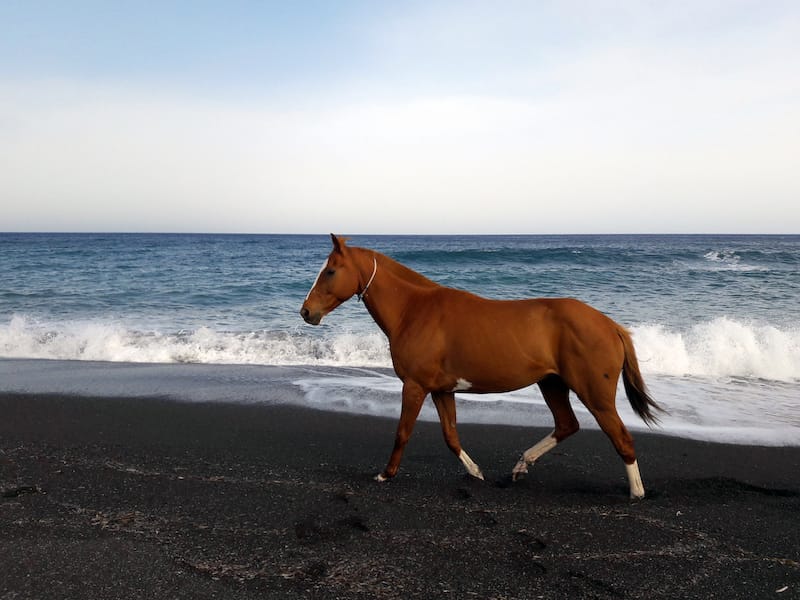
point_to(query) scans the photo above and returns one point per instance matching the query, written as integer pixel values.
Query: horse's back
(541, 313)
(573, 313)
(550, 318)
(572, 328)
(505, 344)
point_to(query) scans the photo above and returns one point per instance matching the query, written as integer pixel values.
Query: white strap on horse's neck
(366, 287)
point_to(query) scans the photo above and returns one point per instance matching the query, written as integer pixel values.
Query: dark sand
(109, 498)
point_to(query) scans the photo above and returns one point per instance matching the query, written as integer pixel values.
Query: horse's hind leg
(615, 429)
(602, 405)
(446, 407)
(556, 395)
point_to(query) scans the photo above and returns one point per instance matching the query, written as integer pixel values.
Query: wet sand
(147, 498)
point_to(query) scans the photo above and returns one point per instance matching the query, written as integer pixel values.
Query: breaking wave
(721, 347)
(114, 342)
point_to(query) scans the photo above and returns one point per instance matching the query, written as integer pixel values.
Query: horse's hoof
(470, 465)
(381, 477)
(520, 470)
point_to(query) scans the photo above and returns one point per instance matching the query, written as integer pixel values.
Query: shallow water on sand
(708, 410)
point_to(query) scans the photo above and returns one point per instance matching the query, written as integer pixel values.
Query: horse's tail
(635, 389)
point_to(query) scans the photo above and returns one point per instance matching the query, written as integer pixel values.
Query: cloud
(663, 135)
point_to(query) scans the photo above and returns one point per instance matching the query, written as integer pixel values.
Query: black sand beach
(113, 498)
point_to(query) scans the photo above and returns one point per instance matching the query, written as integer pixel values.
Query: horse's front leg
(413, 397)
(446, 407)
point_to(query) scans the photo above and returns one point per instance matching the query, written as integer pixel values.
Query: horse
(444, 340)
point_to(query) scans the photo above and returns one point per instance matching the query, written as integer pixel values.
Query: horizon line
(384, 234)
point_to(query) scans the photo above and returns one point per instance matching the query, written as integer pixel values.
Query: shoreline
(719, 415)
(154, 498)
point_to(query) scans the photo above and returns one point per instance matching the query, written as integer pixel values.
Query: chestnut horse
(444, 340)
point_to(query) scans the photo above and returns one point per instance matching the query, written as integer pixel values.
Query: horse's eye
(330, 272)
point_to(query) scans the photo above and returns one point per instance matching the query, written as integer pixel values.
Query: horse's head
(338, 280)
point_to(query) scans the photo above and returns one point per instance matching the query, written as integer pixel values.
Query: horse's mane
(401, 270)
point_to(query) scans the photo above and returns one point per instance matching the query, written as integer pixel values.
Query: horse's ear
(338, 244)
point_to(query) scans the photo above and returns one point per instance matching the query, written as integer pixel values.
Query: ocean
(215, 318)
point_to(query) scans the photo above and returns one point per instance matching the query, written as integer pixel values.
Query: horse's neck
(407, 275)
(393, 290)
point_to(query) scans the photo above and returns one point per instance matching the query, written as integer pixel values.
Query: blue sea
(214, 318)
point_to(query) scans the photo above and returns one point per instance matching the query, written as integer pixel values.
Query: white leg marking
(531, 455)
(380, 477)
(324, 266)
(462, 385)
(473, 469)
(635, 481)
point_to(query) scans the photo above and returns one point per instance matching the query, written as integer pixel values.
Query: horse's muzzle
(309, 317)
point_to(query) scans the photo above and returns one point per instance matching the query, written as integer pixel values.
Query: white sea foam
(711, 410)
(723, 256)
(721, 348)
(22, 337)
(756, 412)
(728, 260)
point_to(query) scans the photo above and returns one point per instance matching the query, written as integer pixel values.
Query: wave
(720, 348)
(23, 337)
(729, 260)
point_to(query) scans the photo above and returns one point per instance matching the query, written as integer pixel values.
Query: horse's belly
(495, 381)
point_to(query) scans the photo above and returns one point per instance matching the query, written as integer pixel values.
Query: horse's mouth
(309, 317)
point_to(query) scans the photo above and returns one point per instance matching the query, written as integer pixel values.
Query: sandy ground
(137, 498)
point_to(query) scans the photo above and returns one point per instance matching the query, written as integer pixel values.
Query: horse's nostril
(304, 312)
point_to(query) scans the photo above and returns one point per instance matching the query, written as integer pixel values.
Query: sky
(400, 117)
